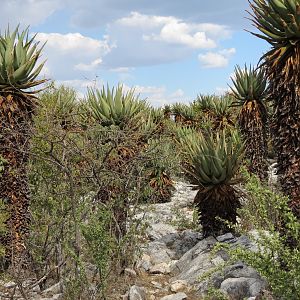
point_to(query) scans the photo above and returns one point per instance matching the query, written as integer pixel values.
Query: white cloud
(218, 59)
(26, 12)
(89, 67)
(91, 13)
(78, 83)
(152, 39)
(74, 43)
(175, 31)
(158, 95)
(68, 55)
(228, 52)
(180, 33)
(81, 85)
(121, 70)
(136, 19)
(222, 90)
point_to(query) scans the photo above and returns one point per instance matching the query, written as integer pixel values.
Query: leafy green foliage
(268, 213)
(86, 181)
(159, 170)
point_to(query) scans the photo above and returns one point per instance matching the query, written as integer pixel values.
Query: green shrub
(275, 225)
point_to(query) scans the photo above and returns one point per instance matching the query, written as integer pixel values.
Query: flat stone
(240, 288)
(177, 296)
(226, 237)
(240, 270)
(10, 285)
(178, 286)
(158, 252)
(130, 272)
(180, 243)
(52, 290)
(156, 284)
(156, 231)
(195, 262)
(144, 262)
(218, 260)
(137, 293)
(162, 268)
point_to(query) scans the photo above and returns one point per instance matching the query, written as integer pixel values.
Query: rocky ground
(174, 258)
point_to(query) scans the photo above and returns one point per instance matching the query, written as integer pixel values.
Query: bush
(86, 183)
(268, 213)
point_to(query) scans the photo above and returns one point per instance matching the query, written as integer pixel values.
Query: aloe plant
(115, 106)
(250, 91)
(279, 24)
(19, 70)
(212, 162)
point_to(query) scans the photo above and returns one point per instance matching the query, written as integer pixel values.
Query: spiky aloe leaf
(115, 107)
(19, 58)
(249, 83)
(213, 159)
(282, 68)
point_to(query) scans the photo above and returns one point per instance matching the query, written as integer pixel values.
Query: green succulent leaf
(19, 58)
(115, 107)
(249, 84)
(212, 159)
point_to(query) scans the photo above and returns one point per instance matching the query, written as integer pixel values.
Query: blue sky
(169, 50)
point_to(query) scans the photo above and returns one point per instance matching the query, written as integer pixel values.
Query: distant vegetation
(75, 171)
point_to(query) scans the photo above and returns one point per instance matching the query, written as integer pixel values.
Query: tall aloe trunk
(253, 125)
(286, 135)
(14, 188)
(215, 207)
(279, 25)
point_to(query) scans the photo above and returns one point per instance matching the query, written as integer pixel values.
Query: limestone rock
(52, 290)
(137, 293)
(195, 262)
(162, 268)
(178, 286)
(177, 296)
(239, 288)
(130, 272)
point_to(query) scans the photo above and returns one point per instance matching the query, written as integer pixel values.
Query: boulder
(177, 296)
(137, 293)
(240, 288)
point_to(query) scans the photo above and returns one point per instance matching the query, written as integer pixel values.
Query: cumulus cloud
(74, 52)
(218, 59)
(27, 12)
(74, 43)
(121, 70)
(91, 13)
(159, 95)
(175, 31)
(152, 39)
(89, 67)
(81, 85)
